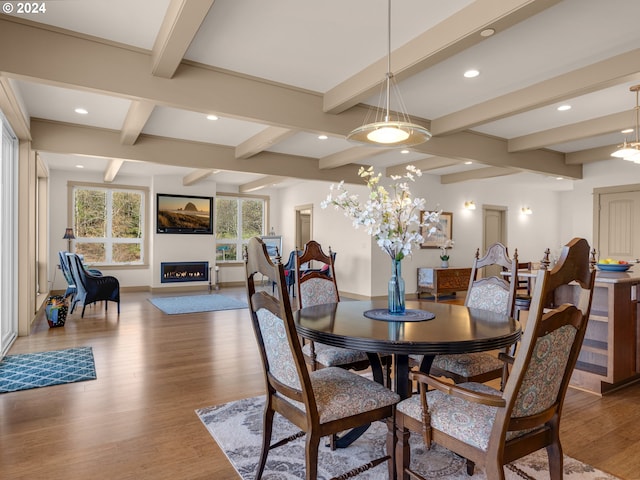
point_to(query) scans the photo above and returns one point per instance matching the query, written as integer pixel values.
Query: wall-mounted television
(184, 214)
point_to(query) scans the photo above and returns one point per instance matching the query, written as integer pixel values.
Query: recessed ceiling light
(212, 117)
(471, 73)
(405, 151)
(564, 108)
(559, 178)
(487, 32)
(81, 111)
(468, 163)
(627, 130)
(322, 137)
(79, 166)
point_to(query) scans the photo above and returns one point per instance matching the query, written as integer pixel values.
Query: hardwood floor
(137, 420)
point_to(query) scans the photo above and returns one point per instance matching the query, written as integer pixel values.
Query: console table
(437, 281)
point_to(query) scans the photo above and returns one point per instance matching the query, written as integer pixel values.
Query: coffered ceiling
(280, 73)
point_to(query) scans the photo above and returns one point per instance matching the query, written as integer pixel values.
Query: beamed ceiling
(279, 73)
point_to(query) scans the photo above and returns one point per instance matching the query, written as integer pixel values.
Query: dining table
(426, 329)
(453, 329)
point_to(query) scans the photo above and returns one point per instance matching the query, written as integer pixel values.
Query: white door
(494, 230)
(8, 237)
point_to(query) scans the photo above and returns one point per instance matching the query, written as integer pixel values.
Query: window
(237, 220)
(109, 224)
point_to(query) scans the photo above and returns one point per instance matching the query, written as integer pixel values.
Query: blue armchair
(289, 273)
(92, 288)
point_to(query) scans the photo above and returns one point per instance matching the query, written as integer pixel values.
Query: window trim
(267, 221)
(71, 184)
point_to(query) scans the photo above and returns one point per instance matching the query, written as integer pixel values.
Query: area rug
(34, 370)
(196, 303)
(237, 428)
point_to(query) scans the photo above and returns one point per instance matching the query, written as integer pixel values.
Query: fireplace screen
(184, 272)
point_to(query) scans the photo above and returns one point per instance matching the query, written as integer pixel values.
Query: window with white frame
(109, 224)
(238, 218)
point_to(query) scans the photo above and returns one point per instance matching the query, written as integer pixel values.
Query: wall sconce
(526, 211)
(68, 236)
(470, 205)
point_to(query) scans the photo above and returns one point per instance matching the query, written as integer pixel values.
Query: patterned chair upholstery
(492, 293)
(490, 427)
(315, 287)
(322, 402)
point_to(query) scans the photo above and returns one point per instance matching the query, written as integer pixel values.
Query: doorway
(304, 222)
(494, 229)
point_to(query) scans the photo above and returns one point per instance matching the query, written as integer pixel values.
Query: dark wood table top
(455, 328)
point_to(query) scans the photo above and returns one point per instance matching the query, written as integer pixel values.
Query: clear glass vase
(396, 289)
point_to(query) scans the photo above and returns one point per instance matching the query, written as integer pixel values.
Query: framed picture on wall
(443, 232)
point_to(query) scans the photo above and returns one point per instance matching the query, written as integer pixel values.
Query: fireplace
(184, 272)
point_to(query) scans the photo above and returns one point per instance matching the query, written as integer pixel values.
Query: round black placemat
(407, 316)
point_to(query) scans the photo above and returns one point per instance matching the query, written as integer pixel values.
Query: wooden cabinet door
(619, 226)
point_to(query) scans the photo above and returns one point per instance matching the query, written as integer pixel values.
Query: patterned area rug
(237, 428)
(196, 303)
(33, 370)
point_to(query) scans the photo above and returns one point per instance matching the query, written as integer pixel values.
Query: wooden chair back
(316, 285)
(344, 396)
(493, 293)
(525, 417)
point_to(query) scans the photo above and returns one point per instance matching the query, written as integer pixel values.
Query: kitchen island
(609, 358)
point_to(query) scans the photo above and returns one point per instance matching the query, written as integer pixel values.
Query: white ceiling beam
(591, 155)
(179, 27)
(57, 137)
(351, 155)
(424, 164)
(568, 133)
(112, 169)
(260, 183)
(198, 175)
(447, 38)
(617, 70)
(137, 117)
(11, 105)
(477, 174)
(262, 141)
(56, 58)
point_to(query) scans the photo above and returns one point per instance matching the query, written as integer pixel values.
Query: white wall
(179, 247)
(162, 247)
(362, 268)
(576, 207)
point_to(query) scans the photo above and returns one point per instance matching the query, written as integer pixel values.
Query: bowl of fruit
(610, 265)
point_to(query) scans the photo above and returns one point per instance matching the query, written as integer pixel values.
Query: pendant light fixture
(631, 150)
(387, 130)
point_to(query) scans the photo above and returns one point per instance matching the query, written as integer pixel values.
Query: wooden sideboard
(610, 354)
(438, 281)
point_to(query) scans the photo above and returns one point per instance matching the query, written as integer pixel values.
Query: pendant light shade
(387, 129)
(631, 150)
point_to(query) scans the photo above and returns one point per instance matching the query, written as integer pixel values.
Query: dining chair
(92, 288)
(316, 286)
(523, 291)
(320, 403)
(489, 427)
(492, 293)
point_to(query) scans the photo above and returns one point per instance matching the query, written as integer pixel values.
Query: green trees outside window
(109, 224)
(237, 220)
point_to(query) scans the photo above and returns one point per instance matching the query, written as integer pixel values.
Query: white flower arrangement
(393, 219)
(444, 256)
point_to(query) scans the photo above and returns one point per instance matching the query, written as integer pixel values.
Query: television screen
(184, 214)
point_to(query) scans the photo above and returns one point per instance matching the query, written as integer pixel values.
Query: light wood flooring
(137, 420)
